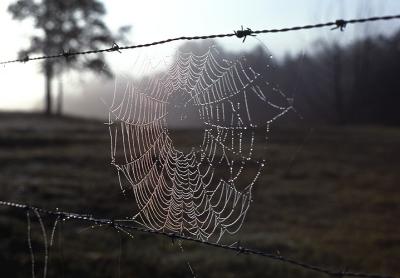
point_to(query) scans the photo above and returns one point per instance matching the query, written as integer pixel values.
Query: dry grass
(331, 199)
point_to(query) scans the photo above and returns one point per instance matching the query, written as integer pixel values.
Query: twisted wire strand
(338, 24)
(237, 248)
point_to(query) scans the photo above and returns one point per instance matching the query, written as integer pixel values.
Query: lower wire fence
(237, 248)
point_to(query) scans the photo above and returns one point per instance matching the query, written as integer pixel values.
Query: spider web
(203, 191)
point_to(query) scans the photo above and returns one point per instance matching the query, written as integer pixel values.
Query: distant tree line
(357, 83)
(354, 84)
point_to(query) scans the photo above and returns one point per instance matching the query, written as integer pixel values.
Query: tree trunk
(60, 96)
(48, 79)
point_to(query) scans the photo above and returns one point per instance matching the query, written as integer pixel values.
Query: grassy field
(330, 197)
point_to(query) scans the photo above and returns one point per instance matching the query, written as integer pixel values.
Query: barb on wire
(338, 24)
(66, 54)
(238, 248)
(25, 59)
(243, 33)
(115, 47)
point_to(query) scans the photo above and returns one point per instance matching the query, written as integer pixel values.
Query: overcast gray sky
(21, 85)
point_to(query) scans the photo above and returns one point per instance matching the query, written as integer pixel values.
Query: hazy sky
(21, 85)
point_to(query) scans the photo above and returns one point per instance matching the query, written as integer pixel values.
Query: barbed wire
(237, 248)
(243, 33)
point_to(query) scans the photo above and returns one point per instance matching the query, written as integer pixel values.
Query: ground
(330, 196)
